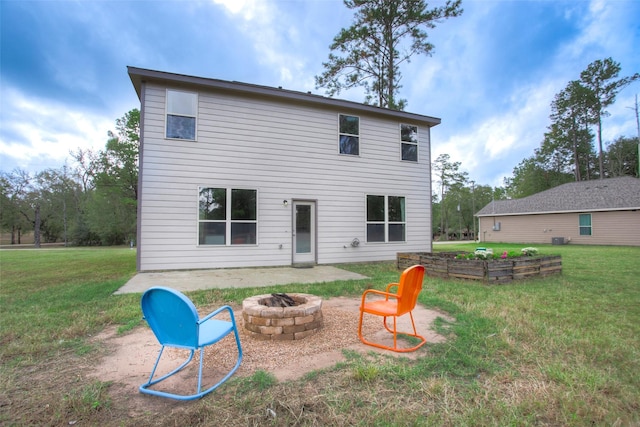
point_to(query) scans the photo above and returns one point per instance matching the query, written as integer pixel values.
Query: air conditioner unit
(557, 240)
(496, 226)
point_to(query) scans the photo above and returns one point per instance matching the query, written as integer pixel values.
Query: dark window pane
(243, 204)
(409, 133)
(211, 233)
(349, 145)
(212, 204)
(585, 224)
(181, 127)
(396, 232)
(396, 209)
(375, 232)
(303, 229)
(375, 208)
(349, 124)
(243, 233)
(410, 152)
(585, 220)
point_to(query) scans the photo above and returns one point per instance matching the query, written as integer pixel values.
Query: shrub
(529, 251)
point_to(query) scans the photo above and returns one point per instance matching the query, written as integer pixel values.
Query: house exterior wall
(285, 151)
(608, 228)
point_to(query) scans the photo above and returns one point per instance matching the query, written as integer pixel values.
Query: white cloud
(247, 8)
(271, 38)
(503, 138)
(50, 130)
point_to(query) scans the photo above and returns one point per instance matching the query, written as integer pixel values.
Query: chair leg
(393, 331)
(176, 370)
(200, 371)
(226, 377)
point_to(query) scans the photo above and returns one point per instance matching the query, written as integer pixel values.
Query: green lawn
(562, 350)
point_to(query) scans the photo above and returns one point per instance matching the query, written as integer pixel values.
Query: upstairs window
(182, 111)
(349, 135)
(227, 216)
(409, 142)
(386, 219)
(585, 224)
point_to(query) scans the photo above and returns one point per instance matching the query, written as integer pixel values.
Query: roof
(583, 196)
(140, 75)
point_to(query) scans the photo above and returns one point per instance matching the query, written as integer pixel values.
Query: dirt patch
(130, 358)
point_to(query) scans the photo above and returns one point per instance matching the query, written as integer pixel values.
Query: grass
(563, 350)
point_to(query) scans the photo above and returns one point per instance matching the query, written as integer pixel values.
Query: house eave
(139, 75)
(557, 212)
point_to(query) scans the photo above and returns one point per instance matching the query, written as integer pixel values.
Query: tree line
(93, 201)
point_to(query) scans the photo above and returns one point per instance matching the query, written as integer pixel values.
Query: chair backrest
(171, 316)
(409, 287)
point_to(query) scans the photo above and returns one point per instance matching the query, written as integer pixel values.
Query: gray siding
(608, 228)
(285, 151)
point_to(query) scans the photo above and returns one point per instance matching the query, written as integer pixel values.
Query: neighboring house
(596, 212)
(239, 175)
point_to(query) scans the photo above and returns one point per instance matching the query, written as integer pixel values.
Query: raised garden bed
(493, 271)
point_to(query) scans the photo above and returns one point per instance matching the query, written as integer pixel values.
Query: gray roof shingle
(596, 195)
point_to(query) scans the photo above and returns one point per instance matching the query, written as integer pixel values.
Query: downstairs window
(386, 219)
(227, 216)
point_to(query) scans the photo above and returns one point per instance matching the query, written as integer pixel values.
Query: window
(227, 216)
(349, 135)
(386, 219)
(585, 224)
(409, 142)
(182, 110)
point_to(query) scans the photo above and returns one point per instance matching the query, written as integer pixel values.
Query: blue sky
(491, 79)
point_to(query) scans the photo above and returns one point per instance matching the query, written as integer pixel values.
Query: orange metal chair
(395, 305)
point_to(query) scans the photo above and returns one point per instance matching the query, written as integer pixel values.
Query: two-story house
(240, 175)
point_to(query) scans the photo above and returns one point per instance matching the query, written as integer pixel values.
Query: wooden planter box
(446, 265)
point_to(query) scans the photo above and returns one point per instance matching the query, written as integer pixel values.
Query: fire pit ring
(282, 323)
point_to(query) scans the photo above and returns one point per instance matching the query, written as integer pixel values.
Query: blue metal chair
(175, 322)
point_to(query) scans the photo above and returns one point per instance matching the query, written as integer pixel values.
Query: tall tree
(621, 158)
(14, 187)
(569, 135)
(371, 50)
(56, 192)
(600, 78)
(112, 208)
(535, 174)
(448, 175)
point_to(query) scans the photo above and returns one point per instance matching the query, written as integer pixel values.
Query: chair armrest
(216, 312)
(391, 285)
(377, 292)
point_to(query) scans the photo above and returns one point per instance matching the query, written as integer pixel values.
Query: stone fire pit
(282, 323)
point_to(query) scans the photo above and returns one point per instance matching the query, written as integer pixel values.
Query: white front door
(304, 232)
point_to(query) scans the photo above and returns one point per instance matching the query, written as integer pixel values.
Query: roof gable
(621, 193)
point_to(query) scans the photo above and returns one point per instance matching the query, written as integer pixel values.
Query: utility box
(557, 240)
